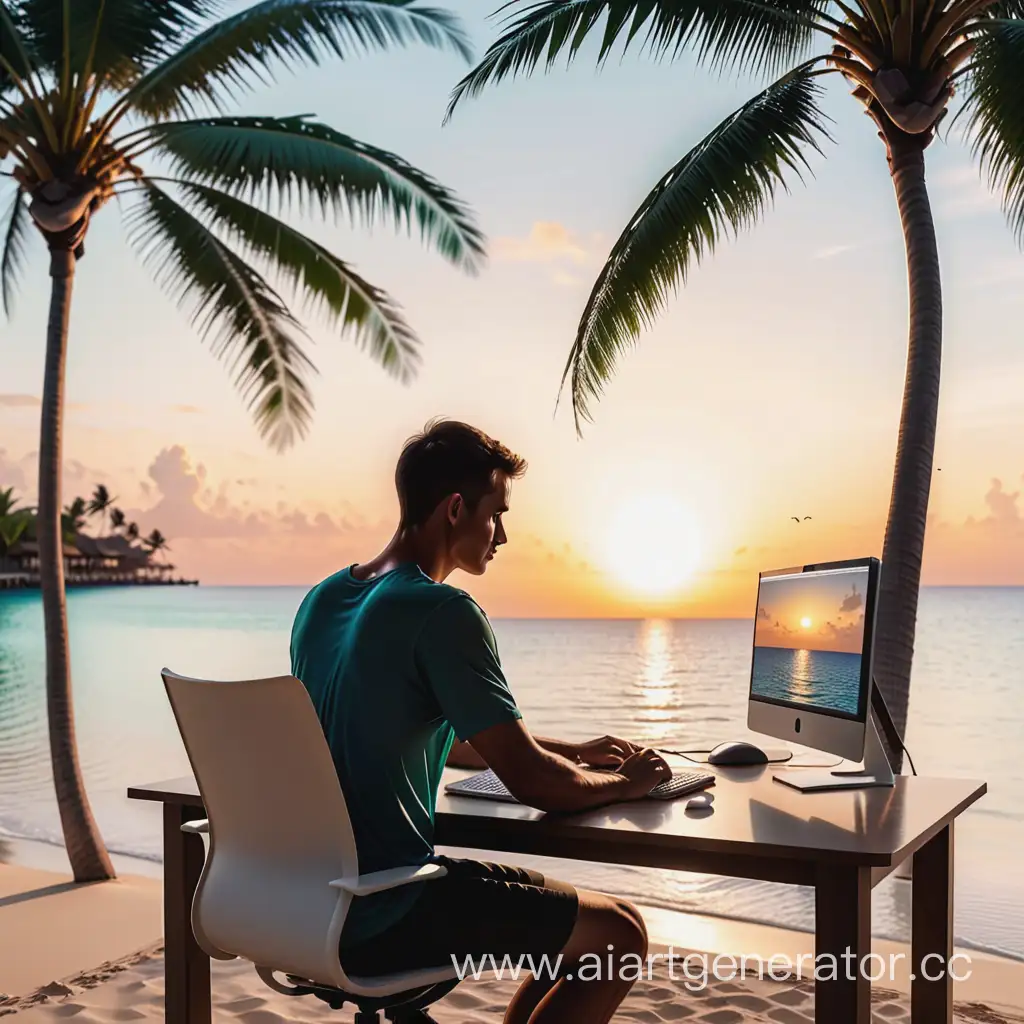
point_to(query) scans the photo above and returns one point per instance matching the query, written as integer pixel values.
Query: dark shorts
(474, 910)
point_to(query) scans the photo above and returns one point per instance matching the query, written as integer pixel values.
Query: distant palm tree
(73, 520)
(8, 502)
(157, 542)
(100, 504)
(116, 520)
(131, 531)
(903, 58)
(126, 98)
(14, 521)
(13, 526)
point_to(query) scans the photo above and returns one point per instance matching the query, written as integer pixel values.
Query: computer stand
(877, 770)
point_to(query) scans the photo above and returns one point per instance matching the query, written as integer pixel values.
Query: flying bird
(796, 519)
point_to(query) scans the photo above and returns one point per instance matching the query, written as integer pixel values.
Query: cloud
(19, 402)
(961, 192)
(12, 472)
(848, 635)
(547, 242)
(851, 602)
(998, 272)
(187, 410)
(988, 550)
(178, 513)
(1002, 505)
(22, 473)
(832, 251)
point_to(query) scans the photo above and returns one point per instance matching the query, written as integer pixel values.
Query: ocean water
(680, 684)
(826, 679)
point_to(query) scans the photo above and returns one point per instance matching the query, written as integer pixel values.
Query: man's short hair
(448, 458)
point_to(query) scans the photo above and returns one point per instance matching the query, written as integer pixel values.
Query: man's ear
(455, 503)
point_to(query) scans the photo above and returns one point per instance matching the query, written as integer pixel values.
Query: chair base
(400, 1008)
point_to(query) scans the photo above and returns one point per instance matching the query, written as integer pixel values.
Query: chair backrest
(279, 827)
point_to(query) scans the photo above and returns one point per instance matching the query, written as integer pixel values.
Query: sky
(770, 387)
(818, 613)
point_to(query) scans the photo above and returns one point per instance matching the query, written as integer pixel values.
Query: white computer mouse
(700, 802)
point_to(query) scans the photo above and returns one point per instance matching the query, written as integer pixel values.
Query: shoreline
(664, 922)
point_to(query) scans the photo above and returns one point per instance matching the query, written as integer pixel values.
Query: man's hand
(605, 752)
(644, 770)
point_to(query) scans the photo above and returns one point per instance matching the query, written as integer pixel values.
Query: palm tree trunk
(85, 849)
(912, 477)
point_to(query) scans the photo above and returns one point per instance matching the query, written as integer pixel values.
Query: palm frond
(754, 34)
(16, 53)
(246, 321)
(995, 114)
(293, 159)
(244, 47)
(1003, 9)
(15, 246)
(328, 284)
(721, 186)
(129, 35)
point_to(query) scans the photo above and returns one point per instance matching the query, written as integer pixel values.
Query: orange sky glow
(770, 387)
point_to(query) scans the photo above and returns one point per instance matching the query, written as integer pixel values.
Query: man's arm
(546, 780)
(605, 751)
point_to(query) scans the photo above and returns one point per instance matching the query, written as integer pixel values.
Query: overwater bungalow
(90, 562)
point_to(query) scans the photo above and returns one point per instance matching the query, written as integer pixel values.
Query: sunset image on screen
(809, 638)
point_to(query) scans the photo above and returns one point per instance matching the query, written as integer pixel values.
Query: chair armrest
(391, 878)
(195, 827)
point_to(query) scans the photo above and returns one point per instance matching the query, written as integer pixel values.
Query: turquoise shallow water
(662, 682)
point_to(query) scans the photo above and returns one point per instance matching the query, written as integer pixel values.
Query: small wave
(49, 840)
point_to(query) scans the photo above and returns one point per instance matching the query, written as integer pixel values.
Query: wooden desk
(842, 843)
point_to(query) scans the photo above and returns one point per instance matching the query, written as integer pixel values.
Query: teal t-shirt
(396, 667)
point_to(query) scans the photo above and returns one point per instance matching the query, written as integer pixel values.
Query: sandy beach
(94, 953)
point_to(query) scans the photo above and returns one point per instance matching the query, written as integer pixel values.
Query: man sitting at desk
(398, 664)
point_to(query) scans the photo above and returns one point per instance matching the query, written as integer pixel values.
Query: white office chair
(281, 867)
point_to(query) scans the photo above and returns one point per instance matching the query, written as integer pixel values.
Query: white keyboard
(488, 786)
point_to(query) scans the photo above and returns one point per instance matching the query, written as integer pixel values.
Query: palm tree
(14, 521)
(73, 520)
(8, 502)
(131, 531)
(902, 58)
(116, 520)
(157, 542)
(126, 98)
(101, 503)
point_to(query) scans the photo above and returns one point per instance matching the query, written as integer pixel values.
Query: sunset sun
(806, 622)
(651, 544)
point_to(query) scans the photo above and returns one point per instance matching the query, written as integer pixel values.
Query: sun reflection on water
(655, 687)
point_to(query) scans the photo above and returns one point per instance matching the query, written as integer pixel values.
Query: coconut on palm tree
(903, 59)
(126, 99)
(100, 504)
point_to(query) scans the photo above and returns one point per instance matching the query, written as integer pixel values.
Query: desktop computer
(811, 676)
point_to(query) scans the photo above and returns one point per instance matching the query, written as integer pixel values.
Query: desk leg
(931, 932)
(842, 913)
(186, 966)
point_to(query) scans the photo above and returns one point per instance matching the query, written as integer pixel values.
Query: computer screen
(811, 644)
